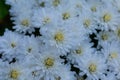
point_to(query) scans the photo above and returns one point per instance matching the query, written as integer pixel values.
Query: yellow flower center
(107, 17)
(66, 15)
(118, 32)
(49, 62)
(87, 22)
(14, 74)
(92, 68)
(13, 45)
(57, 78)
(113, 55)
(46, 20)
(104, 36)
(59, 37)
(56, 2)
(25, 22)
(78, 51)
(81, 78)
(93, 9)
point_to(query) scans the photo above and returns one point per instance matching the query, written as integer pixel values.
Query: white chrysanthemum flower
(67, 13)
(49, 66)
(105, 37)
(30, 46)
(14, 71)
(111, 50)
(107, 17)
(112, 53)
(61, 37)
(23, 23)
(44, 17)
(10, 43)
(81, 50)
(93, 66)
(22, 15)
(86, 20)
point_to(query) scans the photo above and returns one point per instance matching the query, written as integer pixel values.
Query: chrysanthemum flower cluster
(62, 40)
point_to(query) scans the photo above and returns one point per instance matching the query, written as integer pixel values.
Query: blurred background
(5, 21)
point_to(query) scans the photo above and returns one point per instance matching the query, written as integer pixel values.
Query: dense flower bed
(75, 40)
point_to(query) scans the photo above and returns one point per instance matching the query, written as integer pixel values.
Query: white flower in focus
(10, 43)
(44, 17)
(105, 37)
(63, 38)
(111, 52)
(93, 66)
(16, 71)
(49, 66)
(30, 46)
(21, 12)
(107, 17)
(23, 23)
(86, 20)
(81, 50)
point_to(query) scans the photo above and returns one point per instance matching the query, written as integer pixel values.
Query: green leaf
(3, 9)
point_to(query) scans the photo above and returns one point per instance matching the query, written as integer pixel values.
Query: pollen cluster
(59, 37)
(79, 51)
(56, 2)
(66, 15)
(107, 17)
(14, 74)
(49, 62)
(87, 22)
(25, 22)
(92, 68)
